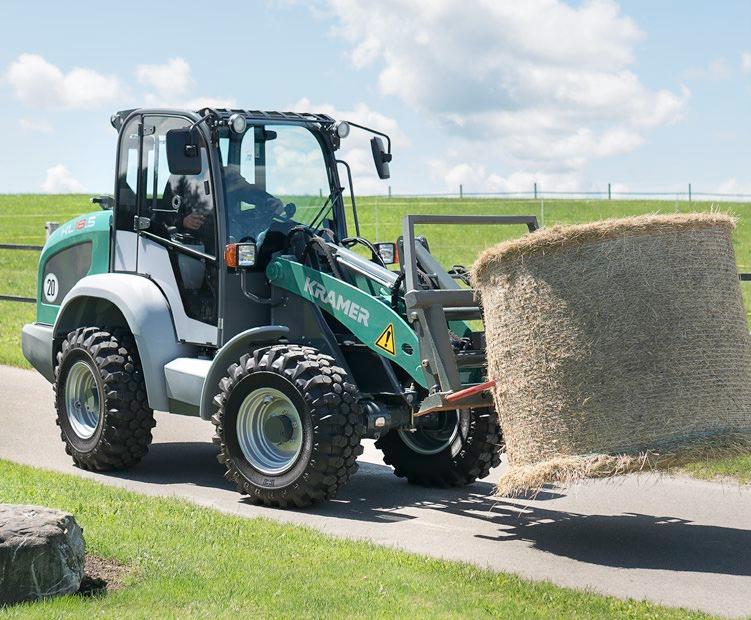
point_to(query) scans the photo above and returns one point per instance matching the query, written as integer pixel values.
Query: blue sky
(494, 95)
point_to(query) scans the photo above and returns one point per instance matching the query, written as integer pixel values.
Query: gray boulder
(42, 553)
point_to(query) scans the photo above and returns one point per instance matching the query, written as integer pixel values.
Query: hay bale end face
(616, 346)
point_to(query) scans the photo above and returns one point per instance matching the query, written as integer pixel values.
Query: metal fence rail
(17, 246)
(27, 248)
(24, 300)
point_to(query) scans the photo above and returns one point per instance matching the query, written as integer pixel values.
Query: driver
(237, 190)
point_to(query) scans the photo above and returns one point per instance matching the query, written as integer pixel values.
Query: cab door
(175, 230)
(125, 242)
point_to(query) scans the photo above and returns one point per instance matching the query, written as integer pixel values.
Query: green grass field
(22, 219)
(191, 562)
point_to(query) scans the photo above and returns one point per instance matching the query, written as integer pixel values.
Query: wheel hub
(269, 431)
(82, 400)
(435, 435)
(279, 429)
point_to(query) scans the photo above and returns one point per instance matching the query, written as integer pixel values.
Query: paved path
(675, 541)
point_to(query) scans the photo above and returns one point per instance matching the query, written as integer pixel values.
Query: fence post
(389, 191)
(461, 191)
(689, 192)
(50, 227)
(535, 190)
(609, 195)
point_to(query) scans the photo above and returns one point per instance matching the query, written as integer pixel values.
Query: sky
(648, 95)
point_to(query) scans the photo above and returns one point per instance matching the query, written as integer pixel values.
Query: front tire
(100, 397)
(288, 426)
(452, 449)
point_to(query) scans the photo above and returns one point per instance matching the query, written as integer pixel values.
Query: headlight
(246, 254)
(237, 123)
(342, 129)
(387, 252)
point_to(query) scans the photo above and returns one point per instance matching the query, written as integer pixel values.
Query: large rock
(41, 553)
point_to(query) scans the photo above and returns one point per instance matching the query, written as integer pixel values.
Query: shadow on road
(375, 495)
(179, 462)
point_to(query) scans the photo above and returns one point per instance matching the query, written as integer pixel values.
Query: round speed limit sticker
(50, 287)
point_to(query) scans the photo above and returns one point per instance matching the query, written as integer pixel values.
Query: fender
(229, 354)
(147, 314)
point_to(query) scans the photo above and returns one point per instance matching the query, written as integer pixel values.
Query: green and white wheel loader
(221, 281)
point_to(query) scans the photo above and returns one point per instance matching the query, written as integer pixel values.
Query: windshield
(274, 176)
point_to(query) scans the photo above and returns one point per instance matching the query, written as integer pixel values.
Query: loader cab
(249, 180)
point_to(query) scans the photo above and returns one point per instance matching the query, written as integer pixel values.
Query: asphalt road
(675, 541)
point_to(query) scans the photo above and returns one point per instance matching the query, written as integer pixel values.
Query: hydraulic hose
(320, 244)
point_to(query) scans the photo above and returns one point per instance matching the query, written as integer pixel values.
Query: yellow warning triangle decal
(386, 340)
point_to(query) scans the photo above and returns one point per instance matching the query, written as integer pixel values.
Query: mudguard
(146, 312)
(229, 354)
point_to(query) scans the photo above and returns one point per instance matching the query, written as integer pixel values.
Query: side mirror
(183, 154)
(105, 201)
(380, 157)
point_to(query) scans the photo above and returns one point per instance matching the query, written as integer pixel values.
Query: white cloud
(545, 83)
(38, 83)
(746, 62)
(355, 148)
(734, 186)
(171, 82)
(60, 181)
(35, 125)
(475, 178)
(718, 69)
(171, 79)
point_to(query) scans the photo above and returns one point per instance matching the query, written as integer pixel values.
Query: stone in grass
(42, 553)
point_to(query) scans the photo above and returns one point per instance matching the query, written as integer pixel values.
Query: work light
(387, 252)
(342, 129)
(246, 254)
(237, 123)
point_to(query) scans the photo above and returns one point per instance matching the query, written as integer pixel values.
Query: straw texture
(616, 346)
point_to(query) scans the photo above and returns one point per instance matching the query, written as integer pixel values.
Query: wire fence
(613, 192)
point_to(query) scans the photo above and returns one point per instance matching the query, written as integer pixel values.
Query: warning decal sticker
(386, 340)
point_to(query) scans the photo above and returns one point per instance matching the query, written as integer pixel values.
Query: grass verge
(189, 561)
(737, 468)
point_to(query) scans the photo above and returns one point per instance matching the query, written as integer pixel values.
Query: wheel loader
(221, 281)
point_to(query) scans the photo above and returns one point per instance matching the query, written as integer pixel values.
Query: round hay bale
(616, 346)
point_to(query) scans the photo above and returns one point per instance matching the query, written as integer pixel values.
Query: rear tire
(460, 450)
(100, 397)
(288, 426)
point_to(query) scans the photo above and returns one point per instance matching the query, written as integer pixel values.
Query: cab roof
(224, 113)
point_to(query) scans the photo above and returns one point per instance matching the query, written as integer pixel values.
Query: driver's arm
(242, 191)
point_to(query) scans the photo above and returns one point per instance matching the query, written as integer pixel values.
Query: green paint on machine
(371, 320)
(78, 248)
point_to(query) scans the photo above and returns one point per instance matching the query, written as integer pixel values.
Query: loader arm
(368, 317)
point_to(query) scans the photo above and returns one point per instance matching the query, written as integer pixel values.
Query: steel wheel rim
(432, 441)
(269, 431)
(82, 401)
